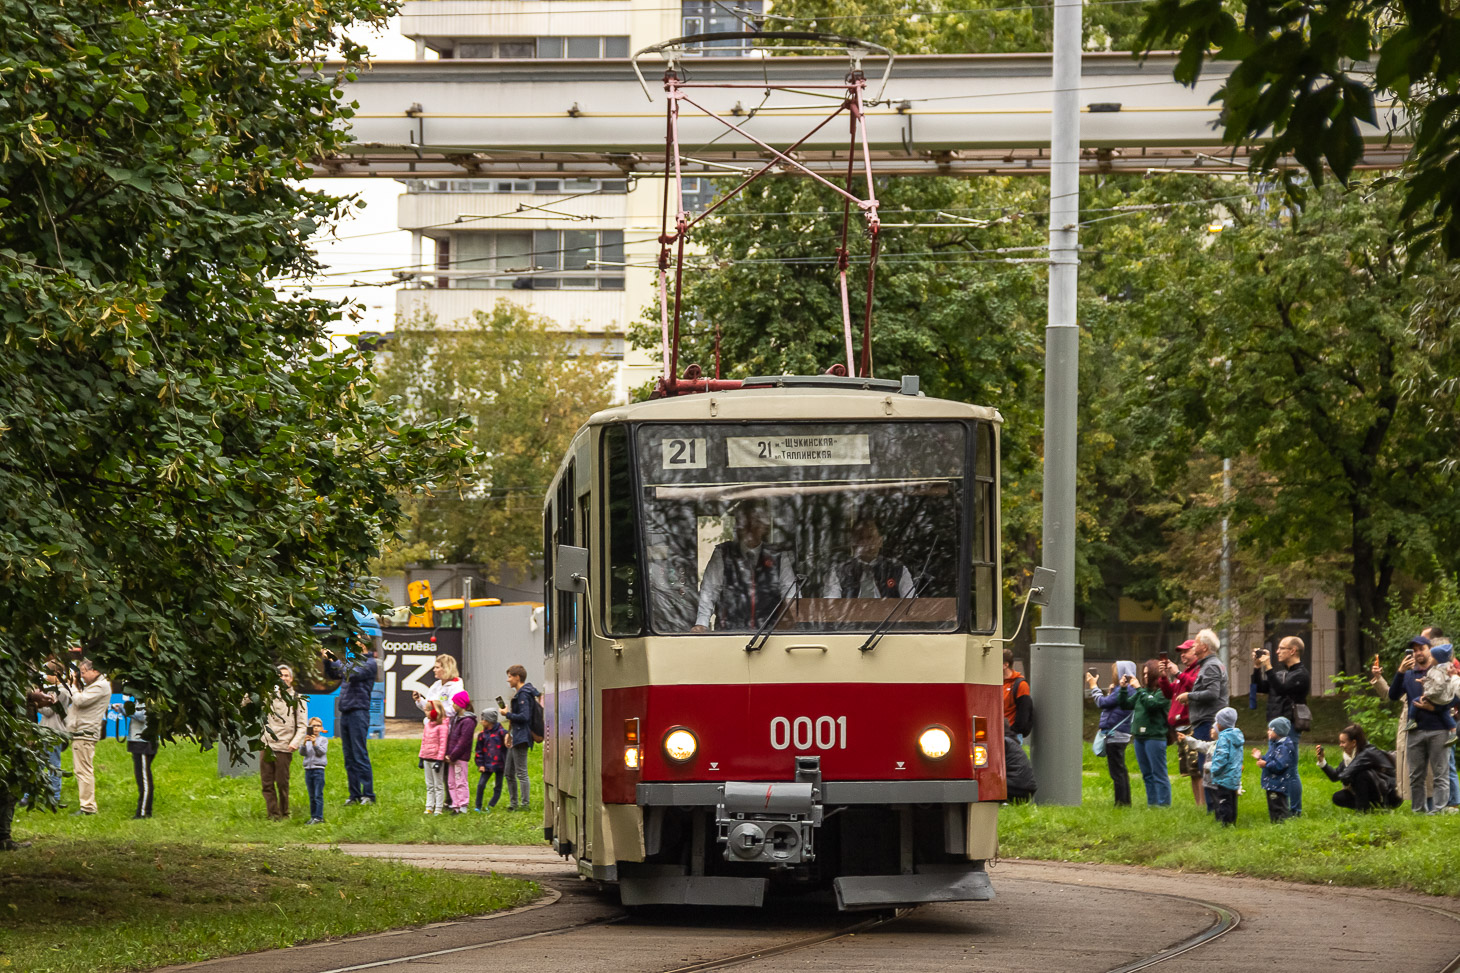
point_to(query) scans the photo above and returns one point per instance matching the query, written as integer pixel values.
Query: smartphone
(1409, 650)
(500, 704)
(1164, 657)
(1093, 673)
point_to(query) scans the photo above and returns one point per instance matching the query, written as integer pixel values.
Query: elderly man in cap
(1175, 681)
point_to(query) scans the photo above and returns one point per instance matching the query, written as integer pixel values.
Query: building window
(697, 196)
(556, 187)
(584, 260)
(710, 17)
(540, 47)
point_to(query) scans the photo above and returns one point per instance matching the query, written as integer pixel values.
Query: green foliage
(1438, 605)
(958, 26)
(161, 902)
(1305, 80)
(1332, 388)
(527, 389)
(187, 471)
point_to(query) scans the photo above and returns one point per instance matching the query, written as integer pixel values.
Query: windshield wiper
(881, 629)
(763, 633)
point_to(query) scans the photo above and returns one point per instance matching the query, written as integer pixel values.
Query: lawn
(210, 875)
(97, 905)
(1326, 845)
(192, 803)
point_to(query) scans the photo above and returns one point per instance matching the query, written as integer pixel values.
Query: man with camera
(1286, 686)
(85, 722)
(359, 681)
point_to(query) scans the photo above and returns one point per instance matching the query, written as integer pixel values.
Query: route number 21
(684, 454)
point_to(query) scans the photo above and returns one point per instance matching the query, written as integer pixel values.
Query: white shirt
(441, 693)
(714, 580)
(834, 585)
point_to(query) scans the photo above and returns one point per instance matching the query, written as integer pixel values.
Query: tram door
(566, 745)
(586, 745)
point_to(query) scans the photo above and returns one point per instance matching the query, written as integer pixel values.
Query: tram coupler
(770, 823)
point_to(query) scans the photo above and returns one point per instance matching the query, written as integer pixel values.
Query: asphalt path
(1047, 916)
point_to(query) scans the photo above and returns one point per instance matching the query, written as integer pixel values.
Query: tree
(1305, 80)
(1336, 387)
(189, 477)
(527, 389)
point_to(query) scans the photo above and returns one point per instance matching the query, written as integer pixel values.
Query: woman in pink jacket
(433, 758)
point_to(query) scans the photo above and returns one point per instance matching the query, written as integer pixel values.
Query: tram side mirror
(1039, 588)
(570, 569)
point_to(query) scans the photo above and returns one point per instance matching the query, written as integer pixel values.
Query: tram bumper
(772, 828)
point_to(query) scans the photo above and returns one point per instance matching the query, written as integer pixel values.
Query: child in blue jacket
(1226, 765)
(1281, 756)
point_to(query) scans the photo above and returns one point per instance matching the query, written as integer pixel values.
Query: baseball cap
(1188, 644)
(1419, 640)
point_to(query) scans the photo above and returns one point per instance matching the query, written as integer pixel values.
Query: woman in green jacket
(1148, 733)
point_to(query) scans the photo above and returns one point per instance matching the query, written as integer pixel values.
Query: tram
(821, 714)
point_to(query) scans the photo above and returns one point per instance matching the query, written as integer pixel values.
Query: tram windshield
(848, 524)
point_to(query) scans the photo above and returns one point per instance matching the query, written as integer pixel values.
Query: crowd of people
(1185, 703)
(73, 702)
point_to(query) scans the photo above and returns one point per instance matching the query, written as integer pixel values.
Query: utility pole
(1057, 660)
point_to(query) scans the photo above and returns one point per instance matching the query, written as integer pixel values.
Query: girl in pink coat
(433, 758)
(458, 751)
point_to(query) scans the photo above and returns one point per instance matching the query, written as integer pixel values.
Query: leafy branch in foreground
(188, 473)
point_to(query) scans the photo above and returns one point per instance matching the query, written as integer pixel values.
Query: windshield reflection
(841, 521)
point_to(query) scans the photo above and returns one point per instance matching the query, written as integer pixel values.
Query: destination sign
(800, 450)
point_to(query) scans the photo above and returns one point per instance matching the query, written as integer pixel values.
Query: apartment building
(578, 251)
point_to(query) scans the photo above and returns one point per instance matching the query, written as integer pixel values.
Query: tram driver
(867, 574)
(744, 581)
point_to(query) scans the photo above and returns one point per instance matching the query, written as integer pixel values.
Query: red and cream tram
(772, 663)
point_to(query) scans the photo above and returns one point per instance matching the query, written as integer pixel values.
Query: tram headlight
(680, 745)
(935, 743)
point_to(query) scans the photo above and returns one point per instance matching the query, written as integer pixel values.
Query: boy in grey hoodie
(315, 751)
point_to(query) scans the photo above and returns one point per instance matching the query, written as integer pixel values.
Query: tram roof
(793, 403)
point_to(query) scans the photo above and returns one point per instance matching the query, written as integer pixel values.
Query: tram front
(803, 589)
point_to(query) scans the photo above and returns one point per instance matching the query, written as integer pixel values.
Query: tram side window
(622, 609)
(985, 531)
(567, 620)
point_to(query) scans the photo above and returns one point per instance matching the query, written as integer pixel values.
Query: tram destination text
(802, 450)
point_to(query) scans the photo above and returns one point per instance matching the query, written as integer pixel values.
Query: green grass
(192, 802)
(1327, 845)
(95, 906)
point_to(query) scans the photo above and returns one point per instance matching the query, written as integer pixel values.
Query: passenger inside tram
(867, 574)
(744, 580)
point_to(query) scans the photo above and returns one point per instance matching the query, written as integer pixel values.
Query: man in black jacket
(1286, 685)
(359, 677)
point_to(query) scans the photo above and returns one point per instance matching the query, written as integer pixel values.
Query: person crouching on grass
(1281, 756)
(458, 751)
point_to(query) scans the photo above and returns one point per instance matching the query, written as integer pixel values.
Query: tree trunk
(1351, 657)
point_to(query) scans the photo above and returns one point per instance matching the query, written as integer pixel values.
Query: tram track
(1226, 918)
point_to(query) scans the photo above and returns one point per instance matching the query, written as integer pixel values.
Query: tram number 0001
(804, 733)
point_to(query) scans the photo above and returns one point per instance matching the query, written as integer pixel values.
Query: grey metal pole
(1057, 660)
(466, 622)
(1225, 581)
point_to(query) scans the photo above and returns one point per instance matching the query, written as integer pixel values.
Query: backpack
(1028, 726)
(535, 720)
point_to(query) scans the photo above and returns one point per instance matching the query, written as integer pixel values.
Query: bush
(1376, 714)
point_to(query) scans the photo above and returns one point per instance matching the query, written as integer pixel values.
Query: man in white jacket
(85, 721)
(284, 730)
